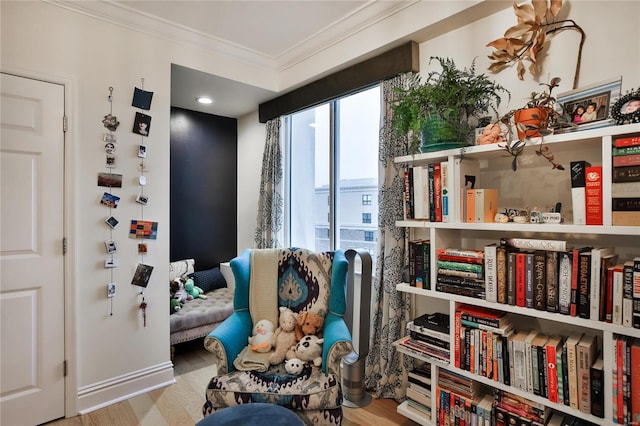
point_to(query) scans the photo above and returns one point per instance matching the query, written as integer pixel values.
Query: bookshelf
(534, 184)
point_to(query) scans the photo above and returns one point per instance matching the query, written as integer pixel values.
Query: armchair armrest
(228, 339)
(337, 342)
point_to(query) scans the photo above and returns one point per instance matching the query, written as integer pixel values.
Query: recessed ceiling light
(204, 100)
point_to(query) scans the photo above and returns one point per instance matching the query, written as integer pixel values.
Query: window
(366, 217)
(331, 151)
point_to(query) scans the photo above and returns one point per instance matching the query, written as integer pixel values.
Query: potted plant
(524, 41)
(445, 109)
(536, 119)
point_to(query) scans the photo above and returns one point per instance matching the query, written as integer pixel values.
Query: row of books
(588, 282)
(625, 186)
(461, 401)
(555, 367)
(419, 263)
(626, 381)
(426, 193)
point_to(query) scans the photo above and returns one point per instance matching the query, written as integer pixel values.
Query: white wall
(115, 356)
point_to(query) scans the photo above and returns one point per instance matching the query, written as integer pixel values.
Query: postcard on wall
(110, 180)
(110, 200)
(142, 275)
(143, 229)
(142, 99)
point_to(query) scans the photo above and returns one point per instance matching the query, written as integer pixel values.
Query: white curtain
(269, 230)
(386, 368)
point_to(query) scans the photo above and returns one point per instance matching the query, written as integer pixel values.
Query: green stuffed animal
(174, 305)
(193, 291)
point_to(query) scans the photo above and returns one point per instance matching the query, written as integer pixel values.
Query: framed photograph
(111, 246)
(589, 106)
(142, 199)
(111, 262)
(142, 151)
(142, 124)
(112, 222)
(142, 275)
(111, 290)
(110, 180)
(110, 200)
(627, 108)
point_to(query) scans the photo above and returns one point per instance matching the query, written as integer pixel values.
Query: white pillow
(181, 268)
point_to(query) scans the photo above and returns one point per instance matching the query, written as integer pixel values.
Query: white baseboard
(108, 392)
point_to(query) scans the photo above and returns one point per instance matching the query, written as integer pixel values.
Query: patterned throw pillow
(209, 280)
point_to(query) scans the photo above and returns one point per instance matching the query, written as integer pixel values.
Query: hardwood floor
(180, 404)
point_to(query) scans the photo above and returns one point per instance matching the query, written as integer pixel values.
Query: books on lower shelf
(427, 336)
(625, 186)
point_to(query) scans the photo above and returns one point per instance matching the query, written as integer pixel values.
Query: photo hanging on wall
(627, 108)
(142, 275)
(142, 124)
(142, 99)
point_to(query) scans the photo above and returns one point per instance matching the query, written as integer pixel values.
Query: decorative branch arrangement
(525, 41)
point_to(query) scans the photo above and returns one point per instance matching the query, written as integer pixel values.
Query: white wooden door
(31, 251)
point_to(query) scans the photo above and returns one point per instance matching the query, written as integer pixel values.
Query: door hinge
(65, 368)
(64, 123)
(64, 246)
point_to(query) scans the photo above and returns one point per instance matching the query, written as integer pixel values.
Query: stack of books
(419, 390)
(625, 186)
(429, 336)
(426, 194)
(461, 271)
(460, 399)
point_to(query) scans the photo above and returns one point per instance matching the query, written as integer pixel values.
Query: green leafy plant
(458, 97)
(524, 41)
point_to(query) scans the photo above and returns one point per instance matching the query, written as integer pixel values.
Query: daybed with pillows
(198, 317)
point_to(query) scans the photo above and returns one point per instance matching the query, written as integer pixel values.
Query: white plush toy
(262, 338)
(294, 366)
(309, 348)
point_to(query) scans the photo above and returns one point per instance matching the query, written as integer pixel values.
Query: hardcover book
(540, 280)
(593, 195)
(584, 283)
(553, 347)
(534, 244)
(597, 388)
(624, 142)
(490, 272)
(578, 183)
(551, 275)
(626, 160)
(625, 190)
(625, 150)
(625, 218)
(437, 191)
(501, 274)
(572, 367)
(626, 174)
(586, 350)
(625, 204)
(564, 282)
(597, 253)
(444, 171)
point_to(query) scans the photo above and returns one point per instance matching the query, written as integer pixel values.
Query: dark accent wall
(203, 184)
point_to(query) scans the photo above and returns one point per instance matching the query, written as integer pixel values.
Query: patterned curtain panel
(269, 230)
(386, 369)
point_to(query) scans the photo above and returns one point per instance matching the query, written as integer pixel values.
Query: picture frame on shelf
(590, 106)
(627, 108)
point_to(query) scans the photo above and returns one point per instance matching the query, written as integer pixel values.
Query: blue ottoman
(254, 414)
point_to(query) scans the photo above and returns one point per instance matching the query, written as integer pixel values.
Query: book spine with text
(550, 264)
(540, 280)
(534, 244)
(636, 292)
(444, 171)
(625, 204)
(626, 160)
(501, 274)
(627, 150)
(593, 195)
(624, 142)
(578, 191)
(626, 174)
(431, 197)
(521, 279)
(627, 294)
(437, 190)
(584, 281)
(564, 282)
(490, 272)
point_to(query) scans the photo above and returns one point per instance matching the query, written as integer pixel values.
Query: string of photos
(142, 229)
(110, 180)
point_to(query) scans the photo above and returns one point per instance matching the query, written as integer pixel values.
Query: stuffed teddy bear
(309, 349)
(193, 291)
(308, 323)
(491, 134)
(262, 338)
(284, 337)
(294, 366)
